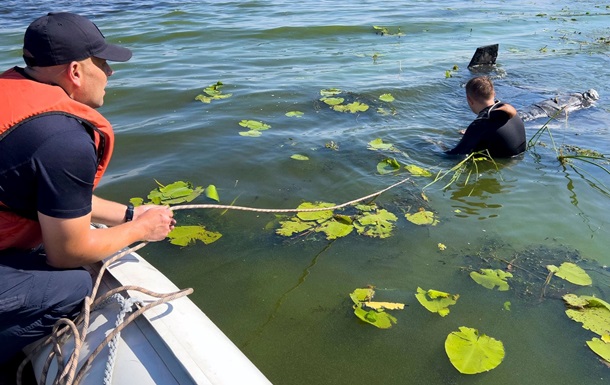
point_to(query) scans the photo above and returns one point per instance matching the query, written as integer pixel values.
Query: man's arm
(72, 242)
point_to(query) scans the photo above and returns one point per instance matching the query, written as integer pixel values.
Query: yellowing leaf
(254, 125)
(441, 246)
(251, 133)
(422, 218)
(594, 314)
(330, 91)
(571, 273)
(490, 278)
(471, 353)
(299, 157)
(384, 305)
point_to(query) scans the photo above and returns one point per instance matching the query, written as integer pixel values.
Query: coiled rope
(77, 329)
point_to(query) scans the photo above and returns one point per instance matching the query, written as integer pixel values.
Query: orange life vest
(23, 99)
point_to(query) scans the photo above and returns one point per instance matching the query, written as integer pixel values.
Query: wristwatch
(129, 212)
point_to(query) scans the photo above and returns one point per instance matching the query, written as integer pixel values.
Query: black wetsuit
(498, 129)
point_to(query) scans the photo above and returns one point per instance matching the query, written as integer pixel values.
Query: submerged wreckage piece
(559, 105)
(484, 57)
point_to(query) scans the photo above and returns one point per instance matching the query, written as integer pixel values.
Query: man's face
(95, 77)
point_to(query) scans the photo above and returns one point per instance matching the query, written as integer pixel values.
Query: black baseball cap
(63, 37)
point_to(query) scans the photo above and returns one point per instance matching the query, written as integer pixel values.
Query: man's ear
(75, 73)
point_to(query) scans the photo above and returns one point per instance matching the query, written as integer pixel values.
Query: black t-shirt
(48, 164)
(498, 129)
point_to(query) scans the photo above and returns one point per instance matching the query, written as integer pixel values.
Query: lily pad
(353, 107)
(388, 166)
(315, 215)
(294, 226)
(417, 171)
(471, 353)
(490, 278)
(299, 157)
(254, 125)
(436, 301)
(380, 319)
(379, 145)
(362, 295)
(592, 312)
(174, 193)
(212, 92)
(296, 114)
(600, 347)
(185, 235)
(386, 98)
(332, 101)
(422, 218)
(571, 272)
(377, 224)
(251, 133)
(335, 229)
(330, 91)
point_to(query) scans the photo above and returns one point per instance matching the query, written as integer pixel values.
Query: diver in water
(497, 127)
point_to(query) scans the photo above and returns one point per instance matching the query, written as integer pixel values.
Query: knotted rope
(66, 372)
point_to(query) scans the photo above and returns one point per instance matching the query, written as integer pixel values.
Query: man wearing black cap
(54, 148)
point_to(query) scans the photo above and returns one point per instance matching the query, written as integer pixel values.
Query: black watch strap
(129, 212)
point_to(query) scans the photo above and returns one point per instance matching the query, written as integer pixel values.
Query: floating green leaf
(299, 157)
(353, 107)
(417, 171)
(380, 319)
(386, 98)
(335, 229)
(212, 193)
(422, 217)
(185, 235)
(251, 133)
(254, 125)
(174, 193)
(436, 301)
(592, 312)
(294, 226)
(379, 145)
(490, 278)
(330, 92)
(387, 166)
(377, 224)
(315, 215)
(600, 347)
(332, 101)
(212, 92)
(296, 114)
(571, 273)
(362, 295)
(137, 201)
(471, 353)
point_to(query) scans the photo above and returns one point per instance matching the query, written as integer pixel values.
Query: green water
(285, 302)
